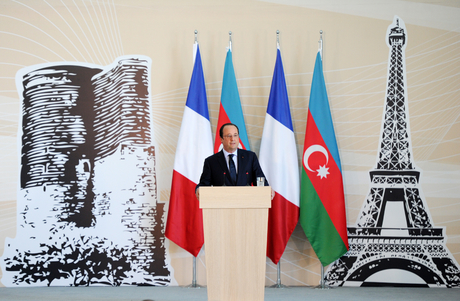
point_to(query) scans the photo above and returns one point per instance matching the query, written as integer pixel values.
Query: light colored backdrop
(355, 68)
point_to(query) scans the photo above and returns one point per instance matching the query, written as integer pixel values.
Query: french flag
(184, 225)
(278, 159)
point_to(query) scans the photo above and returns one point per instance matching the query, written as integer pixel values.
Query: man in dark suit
(219, 170)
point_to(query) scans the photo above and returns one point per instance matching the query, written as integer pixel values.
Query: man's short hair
(221, 131)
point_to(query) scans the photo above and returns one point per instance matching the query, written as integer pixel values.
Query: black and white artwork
(395, 242)
(87, 210)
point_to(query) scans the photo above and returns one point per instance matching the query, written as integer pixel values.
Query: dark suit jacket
(215, 170)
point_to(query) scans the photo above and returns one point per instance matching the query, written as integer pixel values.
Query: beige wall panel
(355, 70)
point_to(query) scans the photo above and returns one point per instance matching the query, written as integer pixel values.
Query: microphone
(223, 184)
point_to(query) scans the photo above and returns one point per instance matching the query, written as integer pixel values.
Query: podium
(235, 221)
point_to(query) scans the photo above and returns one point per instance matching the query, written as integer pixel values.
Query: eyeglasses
(230, 136)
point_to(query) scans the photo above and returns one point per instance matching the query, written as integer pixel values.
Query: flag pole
(230, 41)
(194, 272)
(322, 284)
(320, 44)
(195, 43)
(320, 49)
(194, 282)
(194, 285)
(278, 266)
(277, 39)
(278, 277)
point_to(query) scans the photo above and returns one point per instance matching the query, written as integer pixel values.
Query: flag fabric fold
(278, 159)
(322, 200)
(184, 225)
(230, 109)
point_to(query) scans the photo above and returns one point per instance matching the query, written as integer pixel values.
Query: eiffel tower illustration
(394, 242)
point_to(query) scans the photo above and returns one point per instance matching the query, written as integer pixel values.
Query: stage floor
(175, 293)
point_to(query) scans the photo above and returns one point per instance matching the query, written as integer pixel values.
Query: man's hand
(273, 194)
(197, 193)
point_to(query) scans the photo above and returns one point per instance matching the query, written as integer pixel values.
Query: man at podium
(231, 166)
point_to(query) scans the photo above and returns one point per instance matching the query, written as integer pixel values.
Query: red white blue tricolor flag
(322, 201)
(185, 221)
(230, 106)
(278, 159)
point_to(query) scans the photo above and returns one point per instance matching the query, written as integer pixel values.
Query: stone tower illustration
(394, 240)
(88, 210)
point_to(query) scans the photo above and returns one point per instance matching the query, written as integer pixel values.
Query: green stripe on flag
(317, 225)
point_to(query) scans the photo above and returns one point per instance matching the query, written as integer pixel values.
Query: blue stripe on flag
(230, 99)
(319, 109)
(196, 98)
(279, 109)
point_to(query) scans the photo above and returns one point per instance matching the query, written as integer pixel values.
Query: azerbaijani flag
(322, 201)
(278, 159)
(185, 221)
(230, 106)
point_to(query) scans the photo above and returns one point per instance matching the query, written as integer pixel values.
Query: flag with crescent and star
(185, 220)
(279, 162)
(230, 106)
(322, 200)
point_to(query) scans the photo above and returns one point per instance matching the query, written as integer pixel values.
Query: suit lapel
(242, 162)
(223, 164)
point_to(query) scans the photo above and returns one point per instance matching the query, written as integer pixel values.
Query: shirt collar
(227, 153)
